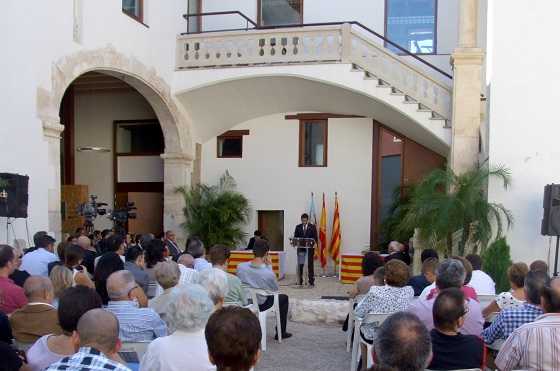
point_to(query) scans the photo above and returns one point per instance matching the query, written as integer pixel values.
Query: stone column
(467, 85)
(177, 173)
(52, 130)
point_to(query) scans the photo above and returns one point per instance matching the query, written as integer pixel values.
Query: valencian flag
(323, 235)
(313, 217)
(336, 235)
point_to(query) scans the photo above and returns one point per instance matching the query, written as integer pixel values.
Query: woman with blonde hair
(61, 278)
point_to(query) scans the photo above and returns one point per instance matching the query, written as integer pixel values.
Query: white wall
(269, 176)
(94, 116)
(39, 33)
(523, 113)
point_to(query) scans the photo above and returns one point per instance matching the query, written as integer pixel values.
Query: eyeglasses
(132, 289)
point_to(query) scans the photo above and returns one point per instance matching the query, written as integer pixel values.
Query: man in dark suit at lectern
(306, 230)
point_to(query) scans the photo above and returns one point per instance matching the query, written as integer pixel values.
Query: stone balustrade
(312, 44)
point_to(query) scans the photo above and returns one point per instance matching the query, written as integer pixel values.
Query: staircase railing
(333, 42)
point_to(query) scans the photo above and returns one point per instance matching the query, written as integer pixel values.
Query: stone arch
(174, 121)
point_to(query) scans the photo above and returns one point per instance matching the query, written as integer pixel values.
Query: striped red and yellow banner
(336, 235)
(237, 257)
(350, 268)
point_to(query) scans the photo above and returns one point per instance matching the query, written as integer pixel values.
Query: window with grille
(280, 12)
(412, 24)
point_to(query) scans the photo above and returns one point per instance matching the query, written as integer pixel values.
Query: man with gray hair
(215, 281)
(38, 317)
(136, 324)
(98, 344)
(196, 249)
(402, 343)
(450, 273)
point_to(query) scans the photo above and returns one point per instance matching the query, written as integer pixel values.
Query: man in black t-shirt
(451, 349)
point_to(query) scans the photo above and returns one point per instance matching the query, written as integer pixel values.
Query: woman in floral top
(514, 297)
(392, 297)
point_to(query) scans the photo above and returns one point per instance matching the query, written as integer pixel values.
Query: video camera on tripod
(90, 210)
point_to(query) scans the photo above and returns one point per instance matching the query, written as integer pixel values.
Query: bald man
(136, 324)
(89, 253)
(38, 317)
(531, 346)
(97, 343)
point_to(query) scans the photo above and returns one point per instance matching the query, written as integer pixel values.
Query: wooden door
(149, 212)
(271, 225)
(72, 196)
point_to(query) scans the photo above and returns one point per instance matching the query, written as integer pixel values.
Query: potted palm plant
(445, 204)
(216, 214)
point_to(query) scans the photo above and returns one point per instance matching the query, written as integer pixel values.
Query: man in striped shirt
(136, 324)
(536, 345)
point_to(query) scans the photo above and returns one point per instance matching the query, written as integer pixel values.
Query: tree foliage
(216, 214)
(496, 261)
(444, 203)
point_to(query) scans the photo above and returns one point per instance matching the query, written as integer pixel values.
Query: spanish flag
(336, 235)
(323, 235)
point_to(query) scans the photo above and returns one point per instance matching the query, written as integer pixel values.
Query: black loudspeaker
(551, 217)
(15, 187)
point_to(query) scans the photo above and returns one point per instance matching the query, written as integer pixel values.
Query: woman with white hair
(215, 281)
(188, 311)
(167, 276)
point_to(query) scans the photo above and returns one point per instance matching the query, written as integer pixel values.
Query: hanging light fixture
(93, 149)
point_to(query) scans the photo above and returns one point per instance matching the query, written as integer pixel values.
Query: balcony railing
(318, 43)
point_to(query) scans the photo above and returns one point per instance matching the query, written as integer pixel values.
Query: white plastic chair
(376, 319)
(138, 347)
(262, 315)
(350, 329)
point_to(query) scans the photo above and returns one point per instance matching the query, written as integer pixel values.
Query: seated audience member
(12, 296)
(167, 276)
(61, 279)
(379, 277)
(89, 253)
(136, 324)
(153, 254)
(6, 335)
(371, 261)
(98, 343)
(398, 251)
(402, 343)
(539, 265)
(256, 235)
(74, 302)
(19, 276)
(481, 282)
(393, 297)
(509, 319)
(449, 273)
(171, 243)
(233, 336)
(258, 274)
(185, 349)
(430, 291)
(426, 278)
(10, 360)
(60, 248)
(113, 244)
(188, 275)
(135, 264)
(215, 281)
(451, 349)
(36, 262)
(196, 249)
(73, 257)
(38, 317)
(219, 256)
(107, 264)
(534, 345)
(514, 297)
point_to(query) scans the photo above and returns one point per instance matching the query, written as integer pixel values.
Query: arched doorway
(175, 125)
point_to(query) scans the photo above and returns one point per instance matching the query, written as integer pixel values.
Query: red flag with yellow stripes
(323, 235)
(336, 235)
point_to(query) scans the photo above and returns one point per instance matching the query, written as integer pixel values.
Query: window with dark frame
(412, 24)
(134, 8)
(194, 23)
(280, 12)
(313, 135)
(230, 144)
